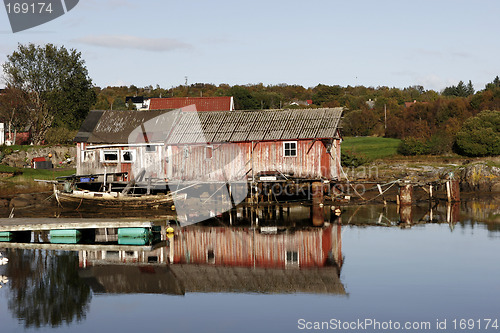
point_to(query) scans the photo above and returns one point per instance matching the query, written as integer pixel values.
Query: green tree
(480, 135)
(55, 84)
(243, 99)
(460, 90)
(45, 289)
(494, 84)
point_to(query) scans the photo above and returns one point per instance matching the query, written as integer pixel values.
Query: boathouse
(264, 145)
(217, 146)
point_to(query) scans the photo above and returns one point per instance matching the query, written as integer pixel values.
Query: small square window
(210, 256)
(87, 155)
(208, 152)
(110, 155)
(292, 258)
(150, 148)
(290, 148)
(128, 156)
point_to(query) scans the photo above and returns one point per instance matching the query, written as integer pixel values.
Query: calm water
(240, 279)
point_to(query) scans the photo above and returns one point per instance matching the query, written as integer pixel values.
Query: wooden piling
(453, 190)
(381, 193)
(317, 213)
(317, 193)
(406, 194)
(453, 212)
(406, 214)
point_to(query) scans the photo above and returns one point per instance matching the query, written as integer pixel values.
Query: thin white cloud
(134, 42)
(435, 82)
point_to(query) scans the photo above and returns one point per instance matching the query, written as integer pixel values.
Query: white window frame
(132, 153)
(210, 260)
(86, 153)
(208, 149)
(292, 262)
(290, 149)
(110, 151)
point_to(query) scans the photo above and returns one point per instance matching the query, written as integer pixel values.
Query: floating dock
(44, 224)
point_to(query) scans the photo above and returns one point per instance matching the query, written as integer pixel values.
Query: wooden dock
(47, 224)
(81, 247)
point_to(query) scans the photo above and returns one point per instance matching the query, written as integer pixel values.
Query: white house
(2, 134)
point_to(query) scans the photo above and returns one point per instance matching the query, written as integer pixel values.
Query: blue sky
(372, 43)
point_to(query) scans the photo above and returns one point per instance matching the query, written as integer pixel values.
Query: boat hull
(113, 200)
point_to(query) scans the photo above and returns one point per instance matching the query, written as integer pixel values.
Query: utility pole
(385, 116)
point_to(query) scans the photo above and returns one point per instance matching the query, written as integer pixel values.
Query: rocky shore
(481, 175)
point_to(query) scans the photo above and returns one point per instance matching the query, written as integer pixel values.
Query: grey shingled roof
(115, 127)
(261, 125)
(179, 279)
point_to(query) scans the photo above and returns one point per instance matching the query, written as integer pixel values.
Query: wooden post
(448, 190)
(453, 212)
(454, 191)
(318, 217)
(317, 193)
(406, 214)
(148, 190)
(406, 194)
(381, 193)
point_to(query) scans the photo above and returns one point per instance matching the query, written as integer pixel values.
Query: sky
(395, 43)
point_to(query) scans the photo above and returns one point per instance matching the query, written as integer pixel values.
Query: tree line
(49, 92)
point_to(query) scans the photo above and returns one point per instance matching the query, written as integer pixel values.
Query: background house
(224, 103)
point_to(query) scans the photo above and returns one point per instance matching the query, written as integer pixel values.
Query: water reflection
(222, 259)
(45, 288)
(272, 250)
(51, 284)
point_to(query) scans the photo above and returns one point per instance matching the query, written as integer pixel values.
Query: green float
(64, 240)
(6, 236)
(133, 233)
(66, 233)
(133, 241)
(66, 236)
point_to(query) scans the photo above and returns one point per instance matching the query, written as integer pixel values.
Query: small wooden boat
(85, 198)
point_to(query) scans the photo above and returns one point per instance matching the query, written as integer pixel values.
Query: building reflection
(222, 259)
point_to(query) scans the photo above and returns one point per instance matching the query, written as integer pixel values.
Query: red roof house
(225, 103)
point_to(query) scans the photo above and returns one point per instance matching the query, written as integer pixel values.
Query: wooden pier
(81, 247)
(44, 224)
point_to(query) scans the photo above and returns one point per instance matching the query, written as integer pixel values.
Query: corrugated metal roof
(185, 127)
(261, 125)
(202, 103)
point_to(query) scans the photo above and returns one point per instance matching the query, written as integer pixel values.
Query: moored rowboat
(114, 199)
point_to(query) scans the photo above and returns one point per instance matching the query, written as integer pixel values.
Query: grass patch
(29, 175)
(371, 147)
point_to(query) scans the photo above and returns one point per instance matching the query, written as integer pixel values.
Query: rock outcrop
(480, 177)
(58, 155)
